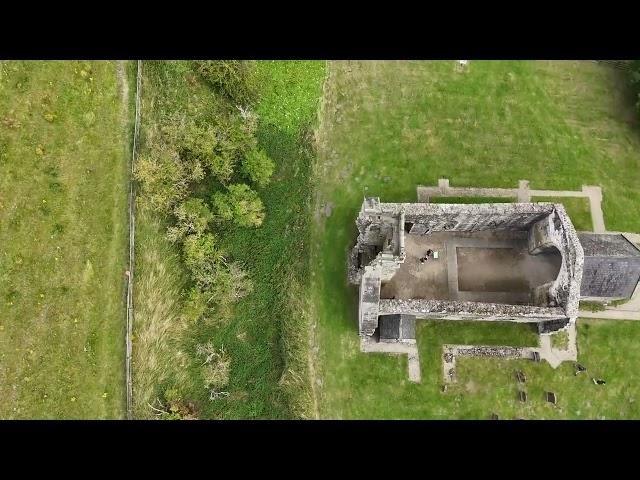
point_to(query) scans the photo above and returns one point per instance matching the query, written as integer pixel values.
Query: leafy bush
(230, 284)
(217, 147)
(195, 305)
(163, 179)
(193, 216)
(200, 250)
(240, 204)
(218, 284)
(258, 167)
(201, 144)
(233, 78)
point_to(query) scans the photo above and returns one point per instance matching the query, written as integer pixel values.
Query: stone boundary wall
(451, 352)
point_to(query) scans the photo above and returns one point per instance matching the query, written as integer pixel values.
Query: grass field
(64, 150)
(389, 126)
(267, 338)
(577, 208)
(376, 385)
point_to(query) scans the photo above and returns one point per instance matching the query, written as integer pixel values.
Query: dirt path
(121, 72)
(123, 87)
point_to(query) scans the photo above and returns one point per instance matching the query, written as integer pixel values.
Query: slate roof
(607, 245)
(397, 327)
(611, 266)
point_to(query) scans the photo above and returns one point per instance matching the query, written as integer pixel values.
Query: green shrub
(258, 167)
(219, 284)
(193, 217)
(217, 147)
(199, 250)
(233, 78)
(240, 204)
(163, 178)
(177, 408)
(230, 284)
(195, 305)
(202, 144)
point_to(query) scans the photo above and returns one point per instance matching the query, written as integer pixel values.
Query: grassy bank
(64, 149)
(266, 338)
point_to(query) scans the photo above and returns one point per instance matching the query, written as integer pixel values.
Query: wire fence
(132, 221)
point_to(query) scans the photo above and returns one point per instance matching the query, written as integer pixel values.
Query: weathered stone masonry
(379, 253)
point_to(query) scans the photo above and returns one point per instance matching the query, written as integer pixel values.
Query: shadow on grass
(624, 104)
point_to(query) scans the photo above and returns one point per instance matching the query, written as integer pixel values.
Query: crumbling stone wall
(552, 326)
(453, 310)
(369, 301)
(557, 231)
(433, 217)
(385, 233)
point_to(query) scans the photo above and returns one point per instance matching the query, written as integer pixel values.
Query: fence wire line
(132, 218)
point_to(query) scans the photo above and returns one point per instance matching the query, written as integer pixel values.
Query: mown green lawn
(376, 385)
(578, 209)
(64, 151)
(390, 126)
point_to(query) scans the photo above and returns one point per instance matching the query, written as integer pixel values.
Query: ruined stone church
(519, 262)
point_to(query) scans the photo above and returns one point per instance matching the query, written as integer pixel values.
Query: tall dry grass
(158, 360)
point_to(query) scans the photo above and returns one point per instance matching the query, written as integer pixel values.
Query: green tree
(231, 284)
(202, 256)
(258, 167)
(193, 217)
(233, 78)
(236, 137)
(239, 204)
(221, 282)
(201, 144)
(163, 178)
(218, 147)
